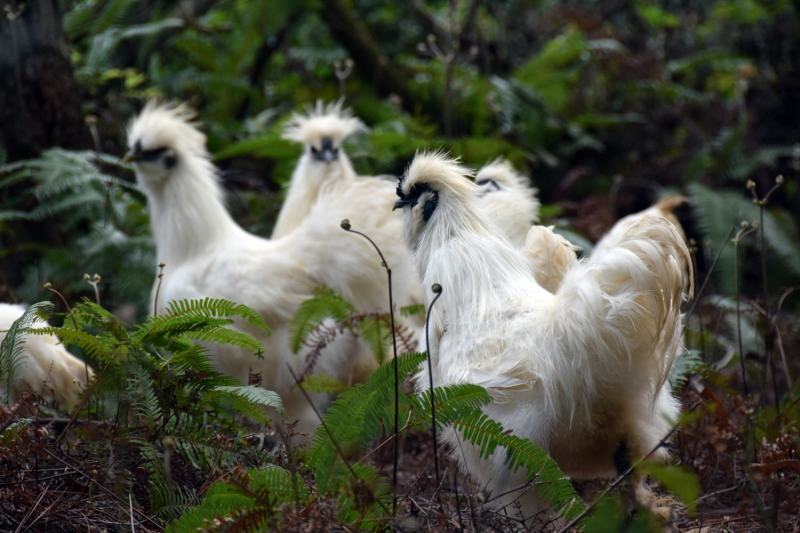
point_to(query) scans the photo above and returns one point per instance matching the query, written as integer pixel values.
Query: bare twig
(99, 485)
(130, 506)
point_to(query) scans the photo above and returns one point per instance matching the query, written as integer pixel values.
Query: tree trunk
(372, 63)
(40, 104)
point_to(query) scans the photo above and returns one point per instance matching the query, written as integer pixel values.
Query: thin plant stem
(711, 270)
(762, 206)
(158, 287)
(326, 428)
(575, 521)
(49, 287)
(745, 229)
(437, 290)
(345, 224)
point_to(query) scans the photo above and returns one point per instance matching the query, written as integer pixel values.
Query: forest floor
(56, 477)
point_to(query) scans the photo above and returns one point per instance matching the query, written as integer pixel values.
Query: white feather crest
(170, 124)
(502, 171)
(441, 171)
(323, 120)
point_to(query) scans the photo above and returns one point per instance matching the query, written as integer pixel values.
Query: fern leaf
(323, 383)
(12, 346)
(91, 345)
(356, 417)
(324, 304)
(685, 364)
(376, 332)
(217, 311)
(227, 336)
(255, 395)
(551, 484)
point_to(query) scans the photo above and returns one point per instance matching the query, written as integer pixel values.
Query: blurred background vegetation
(605, 104)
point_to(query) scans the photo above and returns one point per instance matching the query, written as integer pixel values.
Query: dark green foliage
(168, 401)
(325, 304)
(248, 501)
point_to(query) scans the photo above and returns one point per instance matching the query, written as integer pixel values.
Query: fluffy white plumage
(321, 131)
(47, 369)
(549, 256)
(207, 254)
(511, 203)
(582, 372)
(508, 199)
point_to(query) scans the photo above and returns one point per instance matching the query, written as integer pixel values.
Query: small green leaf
(678, 481)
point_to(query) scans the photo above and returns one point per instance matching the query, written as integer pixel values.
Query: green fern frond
(323, 384)
(197, 315)
(91, 345)
(229, 337)
(452, 402)
(685, 364)
(216, 307)
(376, 332)
(324, 304)
(358, 416)
(240, 501)
(255, 395)
(143, 396)
(12, 347)
(551, 484)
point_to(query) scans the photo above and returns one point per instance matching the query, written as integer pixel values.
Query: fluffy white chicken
(47, 369)
(508, 199)
(324, 170)
(581, 372)
(208, 255)
(321, 132)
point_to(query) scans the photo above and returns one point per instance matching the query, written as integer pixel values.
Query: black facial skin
(412, 198)
(326, 153)
(153, 155)
(490, 181)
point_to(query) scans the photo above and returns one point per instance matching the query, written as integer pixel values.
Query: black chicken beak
(399, 204)
(329, 154)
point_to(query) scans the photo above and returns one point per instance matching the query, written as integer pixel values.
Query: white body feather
(579, 372)
(206, 254)
(47, 369)
(508, 200)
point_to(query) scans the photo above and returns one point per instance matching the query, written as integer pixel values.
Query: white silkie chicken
(321, 132)
(324, 169)
(47, 369)
(581, 372)
(508, 199)
(208, 255)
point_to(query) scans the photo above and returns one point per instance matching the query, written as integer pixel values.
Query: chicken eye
(170, 160)
(488, 181)
(430, 206)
